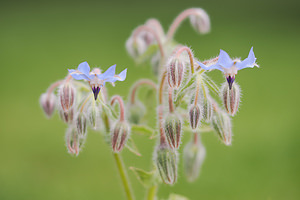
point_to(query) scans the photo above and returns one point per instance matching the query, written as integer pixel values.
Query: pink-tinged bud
(136, 112)
(81, 124)
(48, 103)
(136, 47)
(193, 157)
(231, 98)
(166, 162)
(195, 115)
(66, 96)
(175, 72)
(207, 110)
(200, 21)
(119, 135)
(221, 122)
(68, 116)
(74, 142)
(172, 127)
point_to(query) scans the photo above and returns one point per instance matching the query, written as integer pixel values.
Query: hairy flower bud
(119, 135)
(175, 72)
(195, 115)
(231, 98)
(200, 21)
(74, 142)
(94, 116)
(81, 124)
(67, 116)
(136, 112)
(66, 96)
(48, 103)
(221, 122)
(135, 46)
(207, 110)
(193, 157)
(172, 127)
(166, 161)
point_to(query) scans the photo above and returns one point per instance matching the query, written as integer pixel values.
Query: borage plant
(187, 102)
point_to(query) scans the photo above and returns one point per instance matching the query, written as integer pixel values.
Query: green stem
(152, 192)
(124, 177)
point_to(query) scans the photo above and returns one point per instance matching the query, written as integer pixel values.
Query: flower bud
(135, 47)
(175, 72)
(74, 142)
(195, 115)
(193, 157)
(200, 21)
(67, 116)
(48, 103)
(166, 161)
(66, 96)
(136, 112)
(80, 124)
(231, 98)
(207, 110)
(94, 116)
(172, 127)
(119, 135)
(221, 122)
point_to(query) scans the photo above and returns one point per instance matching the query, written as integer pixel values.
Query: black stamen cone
(230, 81)
(96, 91)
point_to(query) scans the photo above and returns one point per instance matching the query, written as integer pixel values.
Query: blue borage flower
(95, 78)
(230, 67)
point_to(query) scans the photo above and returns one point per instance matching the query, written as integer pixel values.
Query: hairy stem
(191, 56)
(161, 87)
(152, 192)
(121, 103)
(137, 85)
(123, 175)
(171, 106)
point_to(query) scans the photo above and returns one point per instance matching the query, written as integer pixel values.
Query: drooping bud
(207, 110)
(136, 112)
(172, 127)
(67, 116)
(221, 122)
(81, 124)
(135, 46)
(166, 161)
(119, 135)
(74, 142)
(193, 157)
(231, 98)
(195, 115)
(48, 103)
(66, 96)
(175, 72)
(200, 21)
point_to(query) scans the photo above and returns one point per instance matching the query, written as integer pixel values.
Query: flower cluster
(188, 100)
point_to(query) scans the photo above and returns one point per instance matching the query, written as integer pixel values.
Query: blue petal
(84, 68)
(77, 75)
(248, 62)
(110, 72)
(224, 59)
(216, 66)
(122, 75)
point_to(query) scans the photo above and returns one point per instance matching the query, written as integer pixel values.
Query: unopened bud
(136, 112)
(74, 142)
(221, 122)
(195, 116)
(166, 161)
(175, 72)
(172, 127)
(119, 135)
(94, 116)
(193, 157)
(67, 116)
(48, 103)
(200, 21)
(66, 96)
(81, 124)
(231, 98)
(135, 46)
(207, 110)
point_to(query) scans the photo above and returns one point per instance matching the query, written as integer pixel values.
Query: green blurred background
(40, 40)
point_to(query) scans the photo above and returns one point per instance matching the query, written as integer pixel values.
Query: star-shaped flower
(95, 78)
(230, 67)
